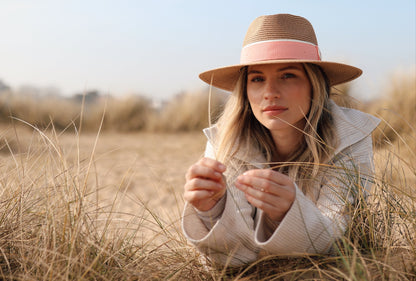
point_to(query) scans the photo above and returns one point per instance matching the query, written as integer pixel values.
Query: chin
(275, 126)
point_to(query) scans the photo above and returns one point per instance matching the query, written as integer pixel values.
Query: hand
(269, 191)
(205, 184)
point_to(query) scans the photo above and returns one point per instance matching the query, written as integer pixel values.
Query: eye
(256, 79)
(288, 75)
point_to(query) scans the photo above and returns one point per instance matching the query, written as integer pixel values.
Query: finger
(201, 199)
(265, 185)
(212, 163)
(201, 171)
(275, 176)
(259, 194)
(266, 201)
(274, 212)
(203, 184)
(192, 196)
(256, 202)
(206, 167)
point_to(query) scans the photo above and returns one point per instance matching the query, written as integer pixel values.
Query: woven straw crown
(280, 38)
(280, 26)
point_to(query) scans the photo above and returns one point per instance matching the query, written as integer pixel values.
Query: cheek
(305, 99)
(307, 104)
(250, 95)
(253, 100)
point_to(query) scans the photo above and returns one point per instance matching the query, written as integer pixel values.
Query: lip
(274, 109)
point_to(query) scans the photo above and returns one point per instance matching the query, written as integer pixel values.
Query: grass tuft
(57, 221)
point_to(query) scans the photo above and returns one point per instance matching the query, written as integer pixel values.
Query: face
(279, 95)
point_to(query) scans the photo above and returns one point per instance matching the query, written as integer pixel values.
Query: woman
(283, 163)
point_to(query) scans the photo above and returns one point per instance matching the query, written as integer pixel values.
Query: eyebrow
(253, 71)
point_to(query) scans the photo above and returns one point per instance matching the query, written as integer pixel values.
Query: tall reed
(53, 225)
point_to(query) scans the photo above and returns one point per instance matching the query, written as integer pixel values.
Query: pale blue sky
(157, 48)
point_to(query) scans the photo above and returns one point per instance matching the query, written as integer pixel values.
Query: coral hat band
(279, 50)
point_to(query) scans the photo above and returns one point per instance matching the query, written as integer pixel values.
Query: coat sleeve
(312, 227)
(230, 239)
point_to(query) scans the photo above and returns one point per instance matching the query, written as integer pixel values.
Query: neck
(286, 143)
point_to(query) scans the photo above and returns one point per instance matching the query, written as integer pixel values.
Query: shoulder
(351, 125)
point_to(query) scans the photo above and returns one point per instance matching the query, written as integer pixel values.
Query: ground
(135, 174)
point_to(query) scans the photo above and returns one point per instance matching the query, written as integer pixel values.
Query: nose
(271, 90)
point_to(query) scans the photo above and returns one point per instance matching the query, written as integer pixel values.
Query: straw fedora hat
(281, 38)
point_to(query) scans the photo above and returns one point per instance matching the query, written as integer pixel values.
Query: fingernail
(221, 166)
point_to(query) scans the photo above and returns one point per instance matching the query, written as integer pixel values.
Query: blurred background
(148, 54)
(157, 48)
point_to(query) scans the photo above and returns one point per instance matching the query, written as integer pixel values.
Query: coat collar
(254, 158)
(351, 126)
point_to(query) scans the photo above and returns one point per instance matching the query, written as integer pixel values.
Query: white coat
(235, 233)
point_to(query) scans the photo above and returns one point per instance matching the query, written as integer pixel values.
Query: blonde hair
(239, 130)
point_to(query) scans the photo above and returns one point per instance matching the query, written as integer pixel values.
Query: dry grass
(397, 110)
(77, 207)
(183, 113)
(188, 112)
(86, 206)
(72, 208)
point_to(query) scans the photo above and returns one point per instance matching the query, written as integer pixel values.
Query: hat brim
(226, 77)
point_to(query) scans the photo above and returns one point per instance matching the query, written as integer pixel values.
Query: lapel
(351, 125)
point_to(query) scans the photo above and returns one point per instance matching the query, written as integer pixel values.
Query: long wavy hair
(239, 131)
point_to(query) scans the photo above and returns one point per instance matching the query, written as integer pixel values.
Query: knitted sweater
(235, 233)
